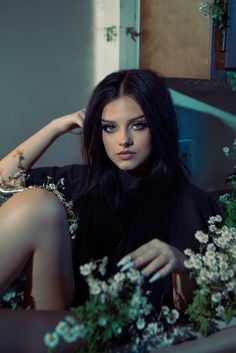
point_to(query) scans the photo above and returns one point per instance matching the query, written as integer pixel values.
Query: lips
(125, 153)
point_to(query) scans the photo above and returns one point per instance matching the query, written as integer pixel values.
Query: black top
(137, 220)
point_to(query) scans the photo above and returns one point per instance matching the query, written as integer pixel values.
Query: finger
(161, 273)
(82, 113)
(79, 121)
(147, 257)
(154, 266)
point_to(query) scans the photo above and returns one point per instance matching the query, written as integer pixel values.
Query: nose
(125, 139)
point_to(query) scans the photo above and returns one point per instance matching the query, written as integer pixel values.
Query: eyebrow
(130, 120)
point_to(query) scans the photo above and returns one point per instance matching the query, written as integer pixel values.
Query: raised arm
(30, 150)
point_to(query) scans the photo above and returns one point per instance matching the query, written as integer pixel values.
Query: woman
(131, 198)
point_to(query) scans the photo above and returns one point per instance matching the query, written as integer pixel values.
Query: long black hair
(110, 223)
(149, 90)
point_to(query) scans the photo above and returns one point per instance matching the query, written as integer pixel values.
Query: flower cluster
(57, 190)
(214, 269)
(117, 310)
(228, 200)
(68, 331)
(13, 297)
(217, 10)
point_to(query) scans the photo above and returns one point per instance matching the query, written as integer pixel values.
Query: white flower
(221, 242)
(135, 301)
(223, 266)
(172, 317)
(189, 264)
(220, 310)
(188, 252)
(115, 288)
(204, 8)
(230, 273)
(102, 321)
(119, 277)
(134, 276)
(154, 328)
(218, 218)
(70, 336)
(212, 228)
(213, 276)
(210, 258)
(62, 328)
(214, 219)
(201, 237)
(87, 269)
(78, 331)
(211, 247)
(94, 288)
(140, 323)
(197, 262)
(70, 320)
(104, 286)
(226, 150)
(216, 297)
(165, 310)
(203, 275)
(51, 340)
(230, 286)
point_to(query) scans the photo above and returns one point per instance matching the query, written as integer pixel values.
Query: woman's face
(126, 135)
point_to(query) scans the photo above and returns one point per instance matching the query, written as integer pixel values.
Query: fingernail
(124, 261)
(143, 273)
(127, 266)
(155, 277)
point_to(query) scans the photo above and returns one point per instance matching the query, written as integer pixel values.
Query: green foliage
(101, 335)
(200, 314)
(228, 201)
(110, 33)
(131, 31)
(231, 78)
(2, 199)
(217, 10)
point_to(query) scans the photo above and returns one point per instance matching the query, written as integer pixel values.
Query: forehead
(123, 106)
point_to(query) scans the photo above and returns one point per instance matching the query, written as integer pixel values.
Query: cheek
(145, 142)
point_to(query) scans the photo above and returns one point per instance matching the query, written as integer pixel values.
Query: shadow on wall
(202, 137)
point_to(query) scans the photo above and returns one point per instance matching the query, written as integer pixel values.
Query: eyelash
(106, 127)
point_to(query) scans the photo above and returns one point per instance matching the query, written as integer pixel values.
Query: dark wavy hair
(149, 90)
(108, 222)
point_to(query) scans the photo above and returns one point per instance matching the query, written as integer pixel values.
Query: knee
(35, 205)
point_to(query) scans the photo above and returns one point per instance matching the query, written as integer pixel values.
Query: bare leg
(34, 231)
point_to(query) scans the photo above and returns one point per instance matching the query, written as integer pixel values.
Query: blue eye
(109, 128)
(139, 126)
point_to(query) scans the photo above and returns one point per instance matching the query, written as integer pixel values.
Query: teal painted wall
(46, 69)
(210, 129)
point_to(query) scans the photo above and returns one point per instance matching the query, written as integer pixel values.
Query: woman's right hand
(72, 123)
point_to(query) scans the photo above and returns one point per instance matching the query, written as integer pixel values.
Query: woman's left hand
(156, 259)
